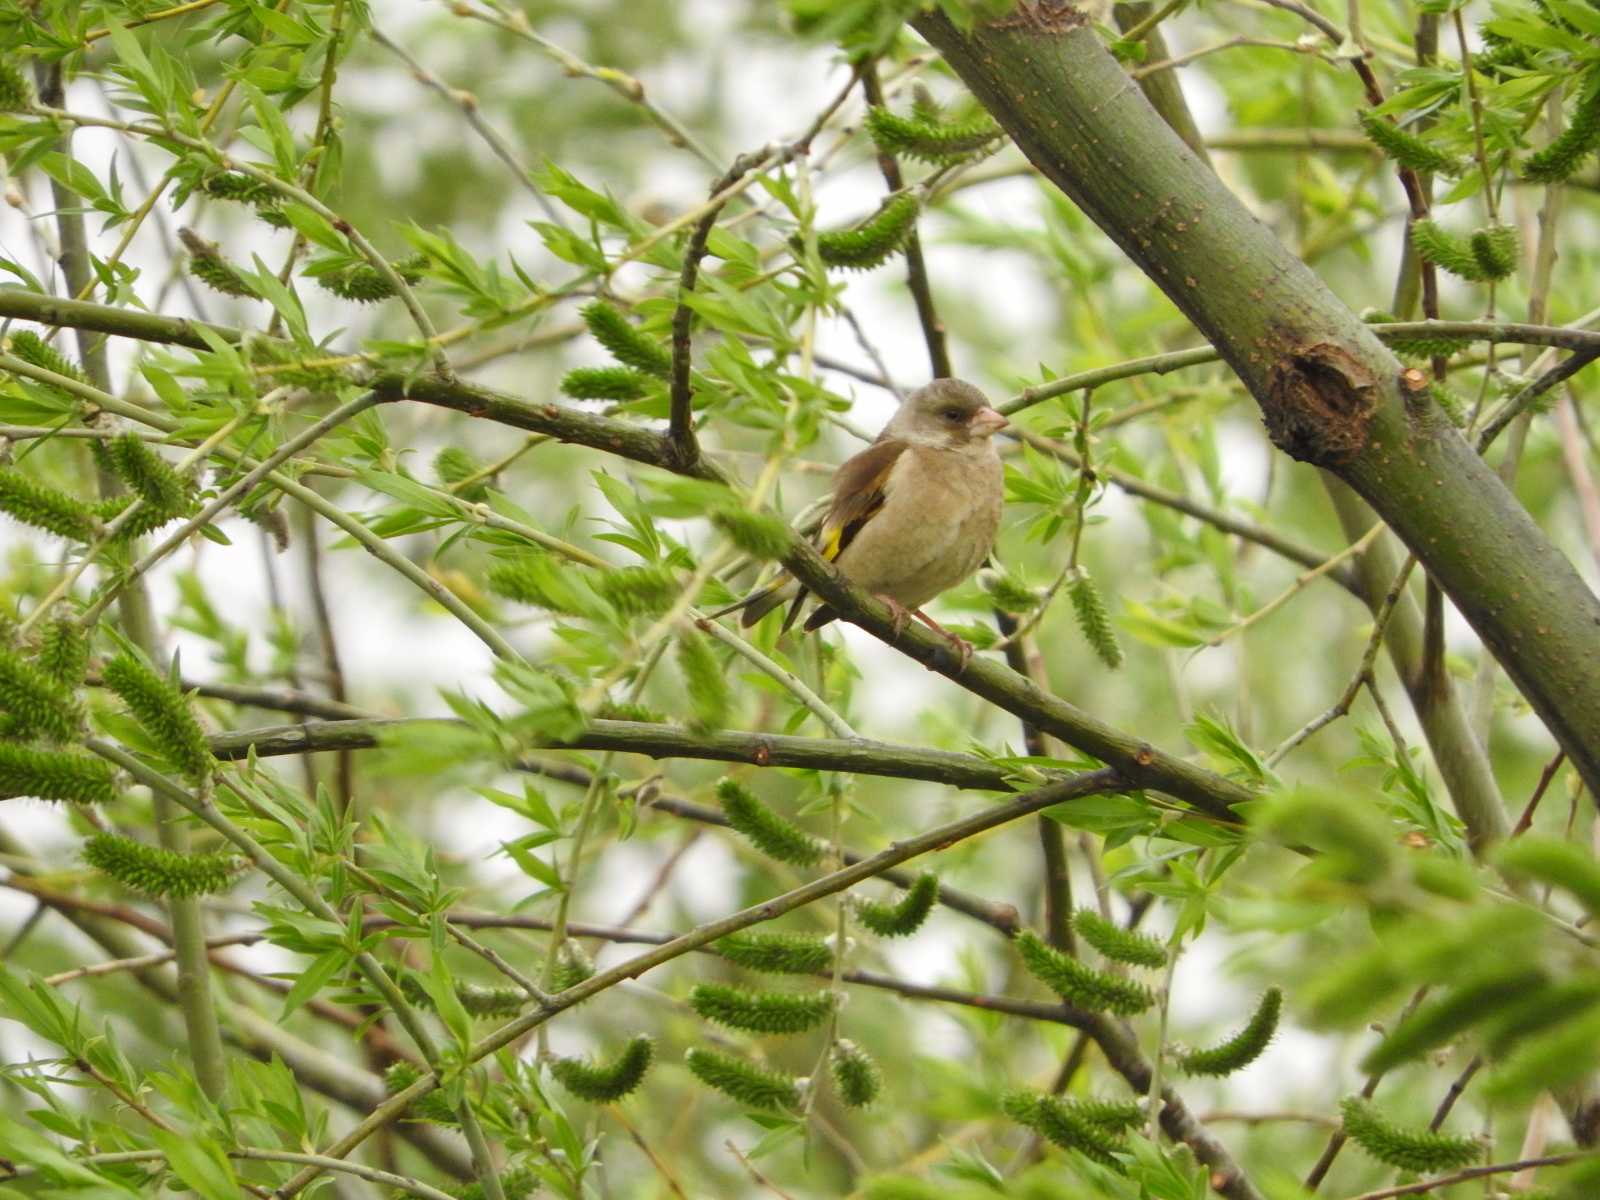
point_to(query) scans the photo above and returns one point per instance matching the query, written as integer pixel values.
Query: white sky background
(389, 643)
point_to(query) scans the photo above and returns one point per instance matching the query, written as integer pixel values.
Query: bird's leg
(963, 647)
(899, 614)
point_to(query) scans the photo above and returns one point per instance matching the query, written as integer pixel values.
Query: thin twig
(933, 331)
(1471, 1173)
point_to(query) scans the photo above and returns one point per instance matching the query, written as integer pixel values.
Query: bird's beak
(986, 422)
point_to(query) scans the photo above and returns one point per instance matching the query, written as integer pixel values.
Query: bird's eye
(952, 414)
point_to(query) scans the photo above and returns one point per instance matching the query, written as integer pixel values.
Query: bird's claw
(899, 615)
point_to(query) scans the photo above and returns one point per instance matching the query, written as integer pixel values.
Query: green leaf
(200, 1163)
(310, 981)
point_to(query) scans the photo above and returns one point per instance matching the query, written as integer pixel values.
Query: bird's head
(946, 413)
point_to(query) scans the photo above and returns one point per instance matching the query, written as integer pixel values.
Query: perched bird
(913, 514)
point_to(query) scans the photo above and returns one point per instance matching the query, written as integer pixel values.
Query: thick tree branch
(1329, 391)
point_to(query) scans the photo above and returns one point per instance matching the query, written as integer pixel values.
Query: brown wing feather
(858, 492)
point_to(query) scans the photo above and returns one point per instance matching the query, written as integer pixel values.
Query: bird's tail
(761, 601)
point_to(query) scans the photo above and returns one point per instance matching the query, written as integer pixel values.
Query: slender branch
(1523, 400)
(468, 104)
(1458, 1087)
(1525, 821)
(680, 427)
(1471, 1173)
(933, 331)
(858, 756)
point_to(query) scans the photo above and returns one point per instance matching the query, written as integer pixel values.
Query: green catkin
(605, 383)
(432, 1107)
(760, 535)
(1062, 1123)
(1093, 619)
(479, 1001)
(63, 652)
(744, 1081)
(241, 189)
(627, 710)
(1497, 250)
(15, 94)
(929, 140)
(1244, 1047)
(55, 775)
(518, 1183)
(163, 711)
(1553, 861)
(604, 1083)
(639, 591)
(761, 1012)
(149, 475)
(1451, 401)
(539, 579)
(765, 829)
(33, 349)
(1481, 257)
(146, 518)
(1566, 154)
(1118, 943)
(707, 684)
(1078, 984)
(157, 871)
(45, 507)
(904, 918)
(283, 366)
(627, 344)
(1437, 346)
(1009, 593)
(1408, 149)
(36, 703)
(876, 239)
(1560, 1055)
(855, 1074)
(1435, 1023)
(207, 264)
(453, 465)
(903, 1187)
(1114, 1116)
(572, 967)
(1537, 1010)
(1408, 1149)
(365, 284)
(777, 953)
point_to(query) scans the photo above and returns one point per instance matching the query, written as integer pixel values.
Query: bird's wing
(860, 486)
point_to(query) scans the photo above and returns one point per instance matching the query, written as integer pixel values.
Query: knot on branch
(1044, 16)
(1321, 401)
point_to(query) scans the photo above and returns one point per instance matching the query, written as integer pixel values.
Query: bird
(912, 515)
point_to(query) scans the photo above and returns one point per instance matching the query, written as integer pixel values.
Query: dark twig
(1443, 1181)
(1457, 1087)
(933, 332)
(323, 616)
(1523, 400)
(1545, 776)
(1336, 1139)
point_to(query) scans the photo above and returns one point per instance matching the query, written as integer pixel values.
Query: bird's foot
(963, 648)
(899, 614)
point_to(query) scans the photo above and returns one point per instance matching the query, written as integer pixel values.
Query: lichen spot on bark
(1321, 400)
